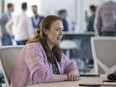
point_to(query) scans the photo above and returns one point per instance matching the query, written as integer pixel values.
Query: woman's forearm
(58, 78)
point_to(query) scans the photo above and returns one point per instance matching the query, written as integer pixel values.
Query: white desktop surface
(98, 80)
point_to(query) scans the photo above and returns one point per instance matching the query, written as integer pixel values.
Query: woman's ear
(45, 31)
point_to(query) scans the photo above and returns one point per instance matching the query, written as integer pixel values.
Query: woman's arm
(34, 59)
(70, 68)
(73, 75)
(68, 64)
(39, 72)
(58, 78)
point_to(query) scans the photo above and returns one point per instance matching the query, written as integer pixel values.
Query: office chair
(104, 54)
(8, 57)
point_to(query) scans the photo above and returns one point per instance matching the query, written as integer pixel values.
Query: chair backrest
(104, 53)
(8, 57)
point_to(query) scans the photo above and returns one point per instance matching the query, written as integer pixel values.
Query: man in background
(6, 39)
(63, 14)
(105, 20)
(36, 19)
(90, 24)
(21, 27)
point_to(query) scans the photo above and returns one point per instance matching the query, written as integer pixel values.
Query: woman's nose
(61, 32)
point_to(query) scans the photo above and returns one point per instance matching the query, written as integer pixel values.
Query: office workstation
(49, 43)
(73, 83)
(96, 81)
(100, 66)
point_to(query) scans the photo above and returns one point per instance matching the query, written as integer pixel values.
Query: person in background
(63, 14)
(105, 20)
(90, 24)
(42, 60)
(21, 27)
(6, 39)
(36, 19)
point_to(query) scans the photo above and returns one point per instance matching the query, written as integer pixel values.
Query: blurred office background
(77, 10)
(77, 18)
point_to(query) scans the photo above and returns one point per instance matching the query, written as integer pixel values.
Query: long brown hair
(41, 36)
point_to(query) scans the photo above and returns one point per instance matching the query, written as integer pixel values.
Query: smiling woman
(41, 60)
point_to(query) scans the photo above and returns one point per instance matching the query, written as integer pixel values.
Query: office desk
(74, 83)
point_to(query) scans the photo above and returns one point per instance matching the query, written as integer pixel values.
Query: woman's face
(55, 33)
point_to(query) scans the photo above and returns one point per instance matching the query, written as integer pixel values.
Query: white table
(98, 80)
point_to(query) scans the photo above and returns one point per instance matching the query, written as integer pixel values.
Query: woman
(41, 60)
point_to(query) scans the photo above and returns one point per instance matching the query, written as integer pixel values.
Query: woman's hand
(73, 75)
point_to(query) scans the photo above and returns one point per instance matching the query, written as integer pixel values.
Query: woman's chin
(58, 43)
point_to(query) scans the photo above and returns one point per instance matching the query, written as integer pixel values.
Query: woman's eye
(57, 29)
